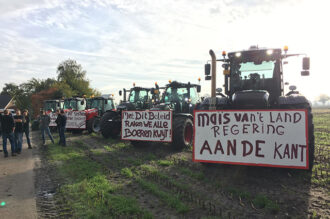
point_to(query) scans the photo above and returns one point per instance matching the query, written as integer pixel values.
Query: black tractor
(97, 106)
(139, 98)
(181, 99)
(253, 79)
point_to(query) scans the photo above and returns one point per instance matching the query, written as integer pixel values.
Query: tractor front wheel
(182, 132)
(109, 127)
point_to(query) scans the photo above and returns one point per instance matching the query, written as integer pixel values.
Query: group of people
(12, 129)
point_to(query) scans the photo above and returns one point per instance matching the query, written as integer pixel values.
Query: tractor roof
(255, 53)
(176, 84)
(140, 88)
(102, 98)
(74, 98)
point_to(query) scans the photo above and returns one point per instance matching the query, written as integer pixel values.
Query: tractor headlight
(238, 54)
(269, 52)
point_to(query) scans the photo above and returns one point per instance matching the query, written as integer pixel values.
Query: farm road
(17, 189)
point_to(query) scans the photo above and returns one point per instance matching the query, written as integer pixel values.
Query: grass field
(106, 178)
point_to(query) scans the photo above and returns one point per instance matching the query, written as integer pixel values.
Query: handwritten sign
(147, 126)
(75, 120)
(262, 138)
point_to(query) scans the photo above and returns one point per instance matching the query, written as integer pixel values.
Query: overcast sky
(119, 42)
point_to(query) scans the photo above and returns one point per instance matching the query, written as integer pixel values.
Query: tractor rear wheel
(182, 132)
(109, 127)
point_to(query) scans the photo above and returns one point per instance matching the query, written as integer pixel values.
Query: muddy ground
(209, 191)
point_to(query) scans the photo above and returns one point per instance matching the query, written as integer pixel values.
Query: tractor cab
(53, 105)
(180, 97)
(102, 103)
(75, 104)
(139, 98)
(254, 77)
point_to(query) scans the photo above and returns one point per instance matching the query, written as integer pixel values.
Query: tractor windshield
(175, 94)
(138, 96)
(50, 106)
(97, 104)
(70, 104)
(251, 75)
(247, 69)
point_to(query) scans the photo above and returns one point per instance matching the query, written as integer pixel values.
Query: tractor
(140, 98)
(181, 99)
(103, 104)
(79, 117)
(253, 80)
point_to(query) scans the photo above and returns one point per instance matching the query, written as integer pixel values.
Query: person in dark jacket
(44, 120)
(61, 123)
(8, 127)
(18, 119)
(26, 127)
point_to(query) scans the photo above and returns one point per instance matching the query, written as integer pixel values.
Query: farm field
(95, 177)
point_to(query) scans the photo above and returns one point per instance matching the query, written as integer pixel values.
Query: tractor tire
(89, 125)
(97, 124)
(182, 132)
(109, 128)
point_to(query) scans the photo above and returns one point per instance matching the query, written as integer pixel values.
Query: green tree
(72, 74)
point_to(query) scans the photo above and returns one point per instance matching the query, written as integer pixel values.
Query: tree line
(71, 81)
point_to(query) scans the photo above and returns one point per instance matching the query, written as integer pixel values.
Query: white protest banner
(147, 126)
(276, 138)
(75, 120)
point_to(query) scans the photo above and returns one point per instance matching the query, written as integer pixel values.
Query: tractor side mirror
(219, 90)
(306, 62)
(286, 83)
(82, 102)
(120, 93)
(207, 69)
(198, 89)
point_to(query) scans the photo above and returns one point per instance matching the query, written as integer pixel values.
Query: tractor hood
(251, 98)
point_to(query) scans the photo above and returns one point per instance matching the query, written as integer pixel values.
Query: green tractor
(253, 79)
(139, 98)
(181, 99)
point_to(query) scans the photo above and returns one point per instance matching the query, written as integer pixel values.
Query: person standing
(57, 121)
(61, 123)
(26, 127)
(18, 119)
(44, 127)
(8, 127)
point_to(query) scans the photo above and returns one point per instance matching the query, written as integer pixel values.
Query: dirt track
(17, 184)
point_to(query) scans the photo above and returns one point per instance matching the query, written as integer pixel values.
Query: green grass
(87, 191)
(194, 174)
(262, 201)
(127, 172)
(165, 162)
(170, 199)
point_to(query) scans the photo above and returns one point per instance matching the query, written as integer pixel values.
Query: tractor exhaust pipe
(213, 80)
